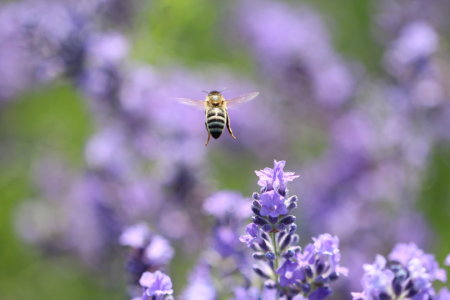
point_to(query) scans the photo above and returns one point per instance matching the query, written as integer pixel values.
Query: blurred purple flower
(251, 293)
(447, 260)
(226, 203)
(416, 42)
(136, 236)
(147, 252)
(409, 274)
(200, 284)
(443, 294)
(408, 253)
(159, 251)
(157, 285)
(293, 45)
(225, 241)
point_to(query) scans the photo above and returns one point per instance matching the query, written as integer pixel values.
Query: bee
(216, 112)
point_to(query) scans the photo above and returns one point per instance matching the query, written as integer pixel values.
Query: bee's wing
(197, 103)
(241, 99)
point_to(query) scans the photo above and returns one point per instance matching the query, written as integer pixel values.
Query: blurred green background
(53, 119)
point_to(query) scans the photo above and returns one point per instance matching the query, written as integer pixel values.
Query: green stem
(275, 251)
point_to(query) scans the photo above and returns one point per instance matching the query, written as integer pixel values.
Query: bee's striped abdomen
(215, 121)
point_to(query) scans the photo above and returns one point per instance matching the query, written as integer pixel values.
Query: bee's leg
(229, 127)
(209, 135)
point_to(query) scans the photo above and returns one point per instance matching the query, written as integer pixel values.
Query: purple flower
(296, 39)
(135, 236)
(417, 41)
(272, 204)
(253, 235)
(276, 178)
(320, 294)
(443, 294)
(225, 203)
(156, 284)
(409, 274)
(289, 273)
(410, 254)
(251, 293)
(377, 278)
(159, 251)
(328, 254)
(447, 260)
(200, 285)
(225, 241)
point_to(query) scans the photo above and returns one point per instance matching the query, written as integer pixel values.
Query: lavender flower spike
(286, 270)
(408, 274)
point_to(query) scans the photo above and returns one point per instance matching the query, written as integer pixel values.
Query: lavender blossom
(147, 252)
(200, 284)
(408, 274)
(296, 39)
(275, 179)
(282, 264)
(157, 286)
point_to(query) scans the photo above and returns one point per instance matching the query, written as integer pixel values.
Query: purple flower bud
(255, 210)
(292, 206)
(288, 220)
(256, 204)
(267, 228)
(265, 237)
(293, 228)
(259, 255)
(270, 284)
(270, 255)
(289, 254)
(286, 242)
(280, 236)
(280, 227)
(321, 293)
(259, 220)
(261, 272)
(264, 245)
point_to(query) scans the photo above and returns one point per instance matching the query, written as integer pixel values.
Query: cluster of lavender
(408, 274)
(369, 173)
(224, 255)
(377, 147)
(148, 253)
(282, 264)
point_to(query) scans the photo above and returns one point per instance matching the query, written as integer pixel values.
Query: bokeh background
(355, 96)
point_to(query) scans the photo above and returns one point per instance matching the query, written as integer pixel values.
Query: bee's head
(215, 96)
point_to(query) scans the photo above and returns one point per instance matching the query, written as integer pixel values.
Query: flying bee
(216, 112)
